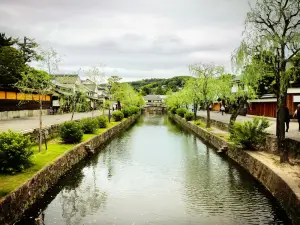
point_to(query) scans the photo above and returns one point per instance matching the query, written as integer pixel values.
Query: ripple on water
(157, 174)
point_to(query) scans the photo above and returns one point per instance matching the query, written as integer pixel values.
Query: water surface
(156, 173)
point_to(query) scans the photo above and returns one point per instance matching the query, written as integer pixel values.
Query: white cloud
(134, 38)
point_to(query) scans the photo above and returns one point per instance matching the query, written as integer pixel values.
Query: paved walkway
(29, 123)
(292, 134)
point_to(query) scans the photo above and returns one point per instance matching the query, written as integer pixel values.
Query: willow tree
(273, 26)
(115, 89)
(206, 76)
(192, 87)
(177, 99)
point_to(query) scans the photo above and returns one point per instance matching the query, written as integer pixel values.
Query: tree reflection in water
(82, 198)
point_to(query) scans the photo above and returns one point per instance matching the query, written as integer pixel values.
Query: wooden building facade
(11, 100)
(266, 106)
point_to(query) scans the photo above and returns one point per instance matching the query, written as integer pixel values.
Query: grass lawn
(223, 135)
(40, 159)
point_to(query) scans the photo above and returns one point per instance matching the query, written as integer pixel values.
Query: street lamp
(109, 87)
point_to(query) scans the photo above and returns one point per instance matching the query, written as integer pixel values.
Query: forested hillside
(159, 86)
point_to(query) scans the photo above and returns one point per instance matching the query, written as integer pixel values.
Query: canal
(156, 173)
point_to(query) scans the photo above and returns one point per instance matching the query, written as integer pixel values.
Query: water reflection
(156, 173)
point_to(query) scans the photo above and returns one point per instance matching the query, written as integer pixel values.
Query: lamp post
(109, 87)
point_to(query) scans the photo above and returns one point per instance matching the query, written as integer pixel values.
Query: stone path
(29, 123)
(292, 134)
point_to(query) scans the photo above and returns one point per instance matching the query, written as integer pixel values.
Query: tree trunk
(93, 108)
(41, 125)
(74, 107)
(235, 114)
(207, 117)
(195, 110)
(118, 105)
(280, 128)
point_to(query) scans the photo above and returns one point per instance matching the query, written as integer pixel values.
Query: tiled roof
(152, 98)
(66, 78)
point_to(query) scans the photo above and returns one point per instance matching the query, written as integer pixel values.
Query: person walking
(297, 114)
(287, 118)
(222, 109)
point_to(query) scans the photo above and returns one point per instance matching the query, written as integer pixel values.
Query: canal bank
(271, 176)
(13, 205)
(156, 173)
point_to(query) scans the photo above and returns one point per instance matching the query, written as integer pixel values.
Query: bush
(129, 111)
(102, 121)
(181, 111)
(117, 115)
(15, 151)
(173, 110)
(134, 110)
(189, 116)
(250, 133)
(71, 132)
(200, 123)
(89, 125)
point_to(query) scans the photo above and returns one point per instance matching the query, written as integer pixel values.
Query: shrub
(126, 112)
(89, 125)
(134, 110)
(102, 121)
(250, 133)
(200, 123)
(117, 115)
(173, 110)
(15, 152)
(189, 116)
(129, 111)
(181, 111)
(71, 132)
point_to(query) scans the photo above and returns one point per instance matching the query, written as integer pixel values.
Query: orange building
(12, 100)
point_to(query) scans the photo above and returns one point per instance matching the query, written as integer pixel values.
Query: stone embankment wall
(277, 186)
(17, 202)
(48, 132)
(270, 144)
(6, 115)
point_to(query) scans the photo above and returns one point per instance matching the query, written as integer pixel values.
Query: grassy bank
(41, 159)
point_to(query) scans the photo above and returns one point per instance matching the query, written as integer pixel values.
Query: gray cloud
(136, 38)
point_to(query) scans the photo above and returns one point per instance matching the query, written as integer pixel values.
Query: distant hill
(159, 86)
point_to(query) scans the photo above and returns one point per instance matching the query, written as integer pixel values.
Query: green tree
(6, 41)
(28, 48)
(192, 87)
(273, 26)
(11, 66)
(36, 82)
(115, 89)
(206, 75)
(178, 99)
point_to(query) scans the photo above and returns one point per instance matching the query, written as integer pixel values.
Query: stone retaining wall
(276, 184)
(6, 115)
(270, 144)
(50, 132)
(17, 202)
(215, 123)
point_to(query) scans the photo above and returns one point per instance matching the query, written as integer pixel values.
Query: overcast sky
(134, 39)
